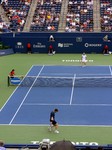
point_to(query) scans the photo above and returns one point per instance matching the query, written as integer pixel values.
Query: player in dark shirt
(53, 123)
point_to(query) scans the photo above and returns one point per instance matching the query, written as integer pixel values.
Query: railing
(36, 146)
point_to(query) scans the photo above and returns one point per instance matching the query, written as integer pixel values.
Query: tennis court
(78, 105)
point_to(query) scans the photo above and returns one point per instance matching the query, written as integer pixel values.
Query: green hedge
(2, 46)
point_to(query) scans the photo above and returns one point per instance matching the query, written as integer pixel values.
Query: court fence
(62, 42)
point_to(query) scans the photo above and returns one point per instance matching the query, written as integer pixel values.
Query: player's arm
(52, 118)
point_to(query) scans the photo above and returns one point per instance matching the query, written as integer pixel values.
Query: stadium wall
(64, 42)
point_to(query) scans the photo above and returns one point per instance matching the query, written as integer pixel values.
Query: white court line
(110, 70)
(71, 97)
(25, 96)
(13, 92)
(46, 104)
(62, 125)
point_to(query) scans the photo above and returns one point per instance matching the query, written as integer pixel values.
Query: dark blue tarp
(64, 42)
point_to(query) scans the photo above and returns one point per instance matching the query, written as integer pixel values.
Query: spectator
(79, 16)
(2, 145)
(52, 28)
(106, 16)
(48, 17)
(49, 27)
(5, 2)
(16, 15)
(100, 148)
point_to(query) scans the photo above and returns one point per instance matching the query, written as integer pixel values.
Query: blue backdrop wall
(64, 42)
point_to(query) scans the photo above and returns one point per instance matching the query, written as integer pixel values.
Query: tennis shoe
(54, 52)
(56, 131)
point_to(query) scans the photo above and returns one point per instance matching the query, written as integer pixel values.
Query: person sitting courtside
(12, 73)
(106, 50)
(51, 50)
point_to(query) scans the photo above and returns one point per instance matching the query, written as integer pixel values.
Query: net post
(8, 81)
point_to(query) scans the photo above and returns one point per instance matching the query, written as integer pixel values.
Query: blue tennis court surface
(32, 105)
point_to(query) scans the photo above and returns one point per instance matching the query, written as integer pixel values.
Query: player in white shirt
(84, 59)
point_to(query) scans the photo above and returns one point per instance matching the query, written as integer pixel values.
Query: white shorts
(83, 60)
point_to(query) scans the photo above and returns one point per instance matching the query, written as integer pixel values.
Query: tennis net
(45, 81)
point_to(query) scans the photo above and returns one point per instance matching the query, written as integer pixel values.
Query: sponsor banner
(6, 52)
(19, 45)
(15, 80)
(65, 45)
(39, 45)
(93, 45)
(75, 143)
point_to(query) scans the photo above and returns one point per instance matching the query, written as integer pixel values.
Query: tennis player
(53, 123)
(84, 59)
